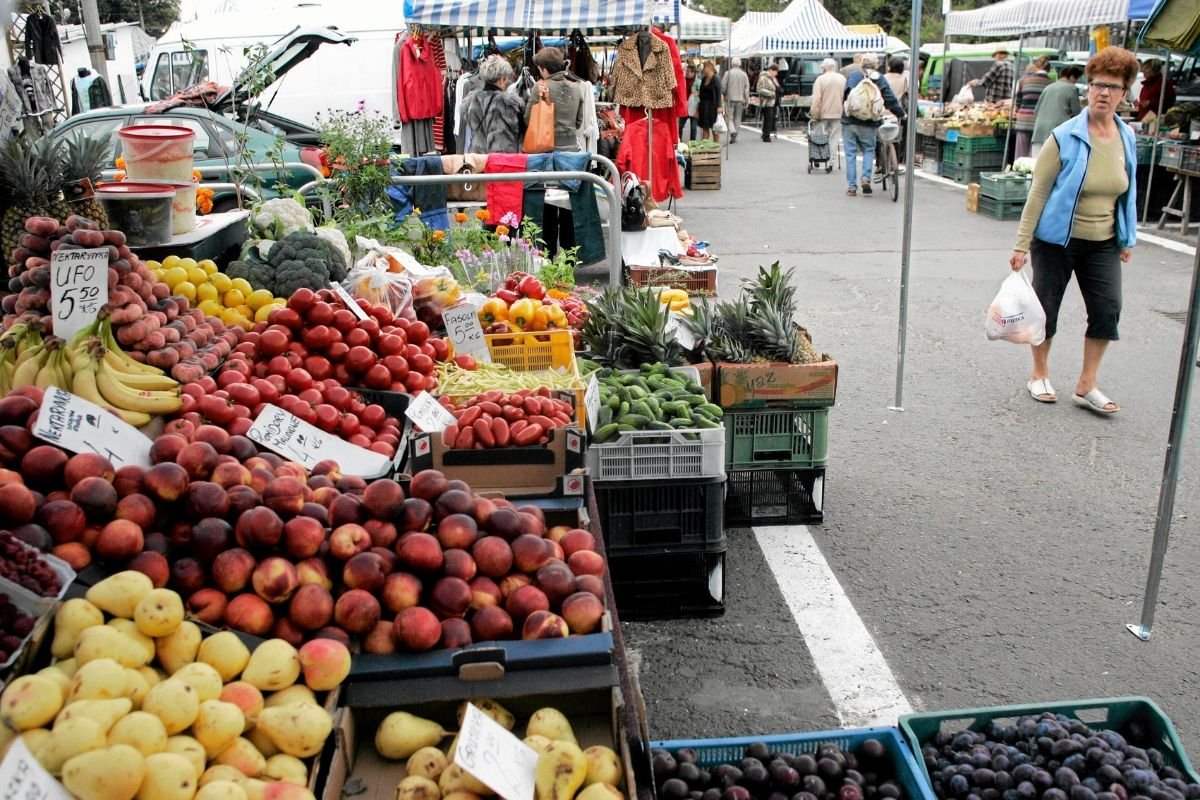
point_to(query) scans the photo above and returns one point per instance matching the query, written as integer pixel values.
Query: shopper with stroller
(826, 111)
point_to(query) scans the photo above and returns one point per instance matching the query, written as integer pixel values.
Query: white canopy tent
(803, 27)
(1016, 17)
(745, 37)
(696, 26)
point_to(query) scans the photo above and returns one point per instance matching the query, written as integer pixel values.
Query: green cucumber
(638, 421)
(605, 432)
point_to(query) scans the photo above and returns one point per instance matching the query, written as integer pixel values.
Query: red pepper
(531, 287)
(468, 417)
(517, 427)
(531, 406)
(547, 405)
(508, 296)
(500, 431)
(514, 280)
(494, 396)
(563, 419)
(541, 421)
(490, 408)
(528, 435)
(513, 413)
(466, 362)
(483, 433)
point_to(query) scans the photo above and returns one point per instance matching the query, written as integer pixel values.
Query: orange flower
(196, 176)
(204, 200)
(439, 236)
(483, 215)
(120, 162)
(501, 230)
(120, 176)
(460, 217)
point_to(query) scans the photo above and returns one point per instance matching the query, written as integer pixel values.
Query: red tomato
(272, 343)
(378, 377)
(415, 382)
(337, 351)
(344, 320)
(319, 367)
(302, 300)
(421, 363)
(418, 332)
(318, 337)
(389, 345)
(339, 397)
(357, 338)
(373, 416)
(298, 380)
(245, 394)
(320, 314)
(359, 359)
(397, 366)
(440, 348)
(348, 425)
(328, 417)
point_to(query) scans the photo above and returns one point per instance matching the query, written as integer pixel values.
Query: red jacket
(681, 86)
(631, 157)
(418, 81)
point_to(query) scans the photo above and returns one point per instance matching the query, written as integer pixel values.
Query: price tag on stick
(495, 757)
(295, 439)
(465, 332)
(591, 403)
(348, 300)
(81, 426)
(23, 778)
(78, 288)
(428, 414)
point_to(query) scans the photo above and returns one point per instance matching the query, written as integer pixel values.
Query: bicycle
(889, 168)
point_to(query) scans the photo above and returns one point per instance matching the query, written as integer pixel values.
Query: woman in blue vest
(1080, 220)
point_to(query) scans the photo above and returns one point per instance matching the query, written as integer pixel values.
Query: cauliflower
(340, 265)
(277, 218)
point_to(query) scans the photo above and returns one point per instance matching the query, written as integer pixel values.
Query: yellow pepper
(539, 319)
(494, 310)
(556, 317)
(523, 314)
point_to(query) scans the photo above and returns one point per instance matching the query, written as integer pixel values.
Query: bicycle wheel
(893, 170)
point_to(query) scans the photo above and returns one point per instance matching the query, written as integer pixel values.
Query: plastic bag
(381, 276)
(1016, 314)
(719, 126)
(965, 96)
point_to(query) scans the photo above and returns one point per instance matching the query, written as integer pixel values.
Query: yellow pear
(190, 749)
(68, 665)
(104, 712)
(168, 777)
(69, 739)
(221, 790)
(58, 676)
(273, 665)
(159, 612)
(282, 767)
(30, 701)
(102, 679)
(600, 791)
(139, 687)
(560, 772)
(225, 653)
(103, 641)
(110, 773)
(603, 766)
(242, 756)
(537, 742)
(120, 594)
(174, 702)
(428, 762)
(551, 723)
(201, 677)
(455, 779)
(130, 629)
(414, 787)
(179, 647)
(299, 693)
(217, 724)
(71, 618)
(401, 734)
(221, 772)
(140, 730)
(262, 743)
(491, 708)
(34, 738)
(460, 794)
(299, 730)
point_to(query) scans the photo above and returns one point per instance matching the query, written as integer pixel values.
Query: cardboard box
(556, 468)
(794, 385)
(589, 697)
(707, 371)
(973, 197)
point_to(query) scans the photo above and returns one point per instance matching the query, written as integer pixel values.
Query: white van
(213, 49)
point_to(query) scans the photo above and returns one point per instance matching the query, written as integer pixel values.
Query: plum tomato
(421, 363)
(359, 359)
(302, 300)
(440, 348)
(344, 320)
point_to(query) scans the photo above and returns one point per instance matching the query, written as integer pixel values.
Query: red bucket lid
(136, 187)
(156, 132)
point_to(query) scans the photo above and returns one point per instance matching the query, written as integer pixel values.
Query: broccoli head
(312, 273)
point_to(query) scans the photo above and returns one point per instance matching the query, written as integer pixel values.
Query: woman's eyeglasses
(1100, 86)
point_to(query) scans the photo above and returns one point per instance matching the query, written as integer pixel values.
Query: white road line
(856, 675)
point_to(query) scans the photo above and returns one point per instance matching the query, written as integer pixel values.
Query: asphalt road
(994, 547)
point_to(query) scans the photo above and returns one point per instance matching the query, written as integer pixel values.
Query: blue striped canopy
(501, 16)
(806, 27)
(1015, 17)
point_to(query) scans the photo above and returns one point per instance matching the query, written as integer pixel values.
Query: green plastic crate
(991, 161)
(963, 175)
(979, 144)
(1111, 713)
(1001, 209)
(776, 438)
(949, 151)
(1001, 186)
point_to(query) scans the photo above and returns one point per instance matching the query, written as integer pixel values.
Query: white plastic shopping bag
(719, 126)
(1016, 314)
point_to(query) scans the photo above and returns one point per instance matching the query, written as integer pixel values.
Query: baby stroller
(819, 150)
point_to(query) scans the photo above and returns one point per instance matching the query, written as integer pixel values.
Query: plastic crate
(693, 280)
(1171, 155)
(775, 497)
(999, 187)
(770, 438)
(909, 775)
(1119, 714)
(958, 174)
(666, 514)
(1190, 159)
(529, 352)
(654, 455)
(991, 161)
(979, 144)
(931, 149)
(688, 583)
(1001, 209)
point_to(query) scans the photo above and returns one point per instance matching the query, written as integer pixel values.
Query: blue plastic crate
(730, 751)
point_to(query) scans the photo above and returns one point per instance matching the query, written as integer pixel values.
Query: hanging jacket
(41, 39)
(632, 157)
(419, 82)
(88, 93)
(38, 83)
(430, 198)
(504, 197)
(585, 213)
(681, 87)
(646, 85)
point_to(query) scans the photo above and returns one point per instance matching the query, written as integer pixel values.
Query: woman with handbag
(558, 228)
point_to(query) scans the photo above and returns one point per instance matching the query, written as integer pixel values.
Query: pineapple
(627, 328)
(84, 157)
(31, 177)
(733, 332)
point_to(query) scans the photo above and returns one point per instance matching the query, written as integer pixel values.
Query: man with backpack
(867, 96)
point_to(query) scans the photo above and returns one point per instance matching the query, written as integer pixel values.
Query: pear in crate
(169, 776)
(401, 734)
(140, 730)
(30, 701)
(498, 713)
(68, 739)
(103, 712)
(179, 648)
(221, 790)
(102, 679)
(273, 665)
(110, 773)
(603, 766)
(551, 723)
(120, 594)
(414, 787)
(560, 772)
(225, 653)
(175, 702)
(299, 730)
(71, 618)
(428, 762)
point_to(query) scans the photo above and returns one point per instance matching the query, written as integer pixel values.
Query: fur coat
(494, 118)
(648, 85)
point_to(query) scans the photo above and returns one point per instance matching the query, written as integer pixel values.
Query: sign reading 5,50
(78, 289)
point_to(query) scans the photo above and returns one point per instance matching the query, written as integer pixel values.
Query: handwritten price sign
(465, 332)
(23, 778)
(293, 438)
(78, 288)
(494, 756)
(83, 427)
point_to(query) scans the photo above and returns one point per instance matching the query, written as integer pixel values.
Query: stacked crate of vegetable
(657, 465)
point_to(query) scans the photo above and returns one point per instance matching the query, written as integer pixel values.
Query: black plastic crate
(681, 583)
(775, 497)
(687, 512)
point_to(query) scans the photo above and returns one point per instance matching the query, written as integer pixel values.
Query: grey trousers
(734, 117)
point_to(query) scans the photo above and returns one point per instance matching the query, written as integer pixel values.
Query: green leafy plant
(358, 147)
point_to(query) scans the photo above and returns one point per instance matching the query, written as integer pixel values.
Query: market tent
(1015, 17)
(745, 38)
(696, 26)
(1175, 26)
(806, 27)
(590, 16)
(894, 43)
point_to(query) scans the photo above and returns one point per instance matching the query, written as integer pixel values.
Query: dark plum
(674, 788)
(959, 786)
(736, 793)
(663, 764)
(686, 755)
(829, 769)
(805, 764)
(687, 772)
(813, 785)
(711, 794)
(850, 792)
(755, 777)
(784, 777)
(759, 751)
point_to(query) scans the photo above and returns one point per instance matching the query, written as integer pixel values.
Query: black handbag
(633, 203)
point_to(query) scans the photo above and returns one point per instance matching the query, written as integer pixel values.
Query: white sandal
(1042, 391)
(1095, 401)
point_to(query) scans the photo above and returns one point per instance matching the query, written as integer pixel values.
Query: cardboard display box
(556, 468)
(758, 385)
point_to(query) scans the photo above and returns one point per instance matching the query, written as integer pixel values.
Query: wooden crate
(710, 155)
(704, 177)
(973, 197)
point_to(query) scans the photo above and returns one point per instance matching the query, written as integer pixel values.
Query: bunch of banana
(676, 299)
(28, 359)
(108, 377)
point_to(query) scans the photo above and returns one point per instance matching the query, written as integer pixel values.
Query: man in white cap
(828, 90)
(862, 114)
(736, 88)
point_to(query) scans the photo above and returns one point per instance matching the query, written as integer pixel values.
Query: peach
(95, 496)
(206, 499)
(250, 614)
(64, 520)
(187, 575)
(288, 632)
(199, 459)
(311, 607)
(231, 571)
(556, 551)
(285, 495)
(153, 565)
(544, 625)
(15, 442)
(333, 632)
(326, 663)
(210, 538)
(556, 580)
(165, 482)
(524, 601)
(383, 499)
(245, 696)
(583, 612)
(401, 590)
(137, 508)
(577, 539)
(505, 522)
(586, 562)
(290, 469)
(536, 511)
(325, 495)
(510, 583)
(356, 611)
(455, 633)
(18, 504)
(493, 556)
(380, 640)
(484, 592)
(593, 584)
(557, 533)
(120, 539)
(490, 624)
(87, 465)
(417, 515)
(315, 511)
(207, 605)
(454, 501)
(428, 484)
(383, 533)
(302, 537)
(366, 571)
(327, 468)
(417, 629)
(481, 510)
(156, 542)
(229, 475)
(346, 509)
(459, 564)
(43, 465)
(458, 485)
(128, 480)
(260, 478)
(420, 552)
(389, 558)
(457, 531)
(240, 448)
(450, 597)
(74, 553)
(348, 540)
(241, 500)
(531, 523)
(314, 571)
(214, 435)
(258, 527)
(530, 553)
(166, 448)
(275, 579)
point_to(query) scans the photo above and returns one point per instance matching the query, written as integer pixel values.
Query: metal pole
(1170, 478)
(1162, 95)
(1012, 106)
(91, 32)
(910, 147)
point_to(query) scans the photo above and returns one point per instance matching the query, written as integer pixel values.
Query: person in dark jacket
(710, 102)
(1152, 88)
(566, 95)
(860, 134)
(493, 115)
